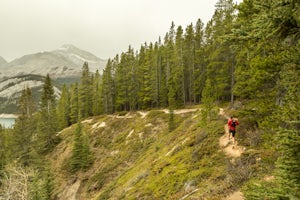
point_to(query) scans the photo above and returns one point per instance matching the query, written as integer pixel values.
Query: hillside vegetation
(136, 157)
(95, 143)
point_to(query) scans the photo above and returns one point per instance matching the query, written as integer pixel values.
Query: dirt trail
(181, 111)
(231, 150)
(70, 192)
(236, 196)
(143, 114)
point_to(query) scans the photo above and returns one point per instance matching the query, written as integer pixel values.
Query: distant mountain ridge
(64, 65)
(66, 61)
(11, 89)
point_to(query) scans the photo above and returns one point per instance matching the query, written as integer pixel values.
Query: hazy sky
(103, 27)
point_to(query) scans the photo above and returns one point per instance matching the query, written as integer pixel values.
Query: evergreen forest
(245, 59)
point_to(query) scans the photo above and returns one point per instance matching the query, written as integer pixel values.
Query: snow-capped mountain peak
(66, 61)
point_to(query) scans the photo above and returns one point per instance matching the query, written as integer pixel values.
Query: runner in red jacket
(232, 123)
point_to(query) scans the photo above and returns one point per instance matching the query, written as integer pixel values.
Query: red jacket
(230, 124)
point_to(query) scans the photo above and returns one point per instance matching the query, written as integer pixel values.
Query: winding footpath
(232, 151)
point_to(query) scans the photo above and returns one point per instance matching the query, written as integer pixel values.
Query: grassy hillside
(136, 157)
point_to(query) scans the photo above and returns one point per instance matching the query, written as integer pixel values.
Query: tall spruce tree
(47, 187)
(259, 63)
(97, 95)
(77, 149)
(108, 88)
(132, 80)
(123, 80)
(146, 77)
(81, 157)
(208, 99)
(74, 103)
(189, 63)
(219, 55)
(24, 128)
(199, 59)
(41, 185)
(288, 164)
(47, 124)
(63, 109)
(157, 75)
(164, 71)
(85, 92)
(178, 69)
(170, 62)
(267, 76)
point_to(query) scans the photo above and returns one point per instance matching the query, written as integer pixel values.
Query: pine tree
(288, 164)
(108, 88)
(141, 67)
(171, 120)
(87, 157)
(74, 104)
(189, 63)
(164, 71)
(42, 184)
(258, 61)
(77, 148)
(123, 79)
(47, 124)
(97, 95)
(63, 109)
(26, 104)
(220, 57)
(288, 136)
(81, 156)
(268, 77)
(199, 72)
(178, 69)
(208, 98)
(157, 82)
(47, 185)
(24, 128)
(48, 97)
(85, 92)
(170, 62)
(133, 85)
(146, 75)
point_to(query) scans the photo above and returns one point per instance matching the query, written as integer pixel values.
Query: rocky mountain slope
(66, 61)
(136, 157)
(64, 66)
(11, 88)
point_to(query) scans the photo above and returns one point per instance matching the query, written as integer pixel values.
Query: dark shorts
(232, 132)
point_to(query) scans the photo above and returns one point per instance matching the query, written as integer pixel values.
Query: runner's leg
(233, 137)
